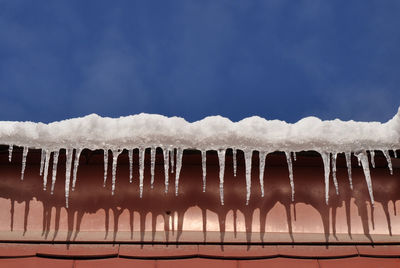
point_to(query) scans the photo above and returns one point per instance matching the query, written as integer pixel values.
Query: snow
(216, 133)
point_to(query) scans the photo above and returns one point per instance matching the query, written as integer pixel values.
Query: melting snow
(215, 133)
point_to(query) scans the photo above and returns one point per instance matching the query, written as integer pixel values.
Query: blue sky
(278, 59)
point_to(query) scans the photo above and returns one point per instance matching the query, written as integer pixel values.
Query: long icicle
(365, 165)
(130, 155)
(68, 174)
(389, 161)
(221, 160)
(42, 158)
(248, 157)
(179, 155)
(335, 182)
(76, 165)
(290, 167)
(115, 154)
(105, 166)
(46, 169)
(348, 163)
(327, 169)
(141, 170)
(24, 155)
(152, 165)
(204, 168)
(372, 152)
(172, 158)
(166, 168)
(54, 175)
(10, 151)
(234, 151)
(262, 156)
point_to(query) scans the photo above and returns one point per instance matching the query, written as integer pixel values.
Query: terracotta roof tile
(35, 262)
(115, 262)
(78, 250)
(237, 251)
(158, 251)
(317, 251)
(17, 250)
(379, 250)
(279, 263)
(360, 262)
(197, 263)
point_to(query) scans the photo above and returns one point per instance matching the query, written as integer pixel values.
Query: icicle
(42, 158)
(333, 160)
(172, 158)
(221, 158)
(290, 167)
(363, 157)
(294, 156)
(54, 175)
(68, 154)
(166, 168)
(372, 158)
(105, 166)
(179, 154)
(359, 162)
(262, 156)
(46, 169)
(395, 153)
(10, 151)
(247, 157)
(327, 169)
(130, 154)
(152, 165)
(24, 155)
(204, 167)
(234, 150)
(115, 154)
(389, 161)
(348, 163)
(141, 170)
(76, 165)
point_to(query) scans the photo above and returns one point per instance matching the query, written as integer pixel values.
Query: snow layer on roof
(212, 133)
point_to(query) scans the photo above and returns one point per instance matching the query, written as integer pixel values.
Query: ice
(365, 165)
(68, 164)
(290, 168)
(294, 156)
(115, 154)
(166, 168)
(172, 158)
(327, 169)
(46, 169)
(389, 161)
(395, 153)
(372, 152)
(179, 154)
(221, 160)
(262, 156)
(105, 166)
(10, 151)
(76, 165)
(130, 155)
(24, 155)
(141, 170)
(42, 158)
(234, 151)
(204, 167)
(248, 157)
(348, 163)
(333, 160)
(152, 165)
(54, 175)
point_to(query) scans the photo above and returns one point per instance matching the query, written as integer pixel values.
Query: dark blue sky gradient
(276, 59)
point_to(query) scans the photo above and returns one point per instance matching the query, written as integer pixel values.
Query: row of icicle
(329, 160)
